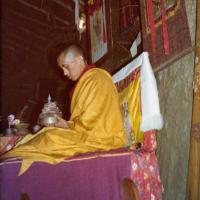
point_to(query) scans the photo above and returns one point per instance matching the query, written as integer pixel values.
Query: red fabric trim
(95, 6)
(125, 82)
(152, 27)
(126, 6)
(164, 29)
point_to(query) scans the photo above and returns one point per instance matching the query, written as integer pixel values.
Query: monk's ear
(80, 58)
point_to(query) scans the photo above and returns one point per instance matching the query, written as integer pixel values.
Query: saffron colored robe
(95, 124)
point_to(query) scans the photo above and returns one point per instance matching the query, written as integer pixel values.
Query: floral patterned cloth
(145, 171)
(8, 142)
(149, 142)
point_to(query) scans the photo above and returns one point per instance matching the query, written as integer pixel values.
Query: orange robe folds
(95, 124)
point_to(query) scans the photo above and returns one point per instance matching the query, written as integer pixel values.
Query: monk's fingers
(58, 117)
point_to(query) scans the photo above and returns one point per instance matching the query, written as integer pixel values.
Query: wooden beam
(64, 5)
(26, 9)
(18, 47)
(7, 25)
(9, 29)
(36, 3)
(14, 14)
(67, 10)
(23, 22)
(28, 4)
(193, 187)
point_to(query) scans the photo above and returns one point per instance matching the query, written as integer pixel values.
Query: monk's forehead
(62, 58)
(70, 56)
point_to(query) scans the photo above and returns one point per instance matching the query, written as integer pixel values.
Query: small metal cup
(47, 120)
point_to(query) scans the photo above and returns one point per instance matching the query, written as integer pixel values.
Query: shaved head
(71, 52)
(72, 62)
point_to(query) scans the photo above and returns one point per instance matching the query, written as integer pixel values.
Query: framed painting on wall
(98, 33)
(129, 33)
(129, 14)
(171, 5)
(176, 29)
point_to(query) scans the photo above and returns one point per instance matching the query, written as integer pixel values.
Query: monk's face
(71, 66)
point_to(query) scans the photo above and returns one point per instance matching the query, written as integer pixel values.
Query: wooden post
(193, 187)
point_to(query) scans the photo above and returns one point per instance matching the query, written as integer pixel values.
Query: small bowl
(22, 125)
(47, 120)
(22, 128)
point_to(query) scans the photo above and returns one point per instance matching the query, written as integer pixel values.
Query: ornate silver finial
(49, 98)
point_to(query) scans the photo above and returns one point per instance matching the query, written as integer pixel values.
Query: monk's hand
(61, 123)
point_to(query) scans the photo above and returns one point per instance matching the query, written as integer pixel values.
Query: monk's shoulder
(99, 74)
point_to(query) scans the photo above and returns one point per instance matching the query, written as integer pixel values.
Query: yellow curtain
(131, 109)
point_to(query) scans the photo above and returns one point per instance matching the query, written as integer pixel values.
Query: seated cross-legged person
(95, 123)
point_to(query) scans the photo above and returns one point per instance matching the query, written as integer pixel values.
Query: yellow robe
(95, 124)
